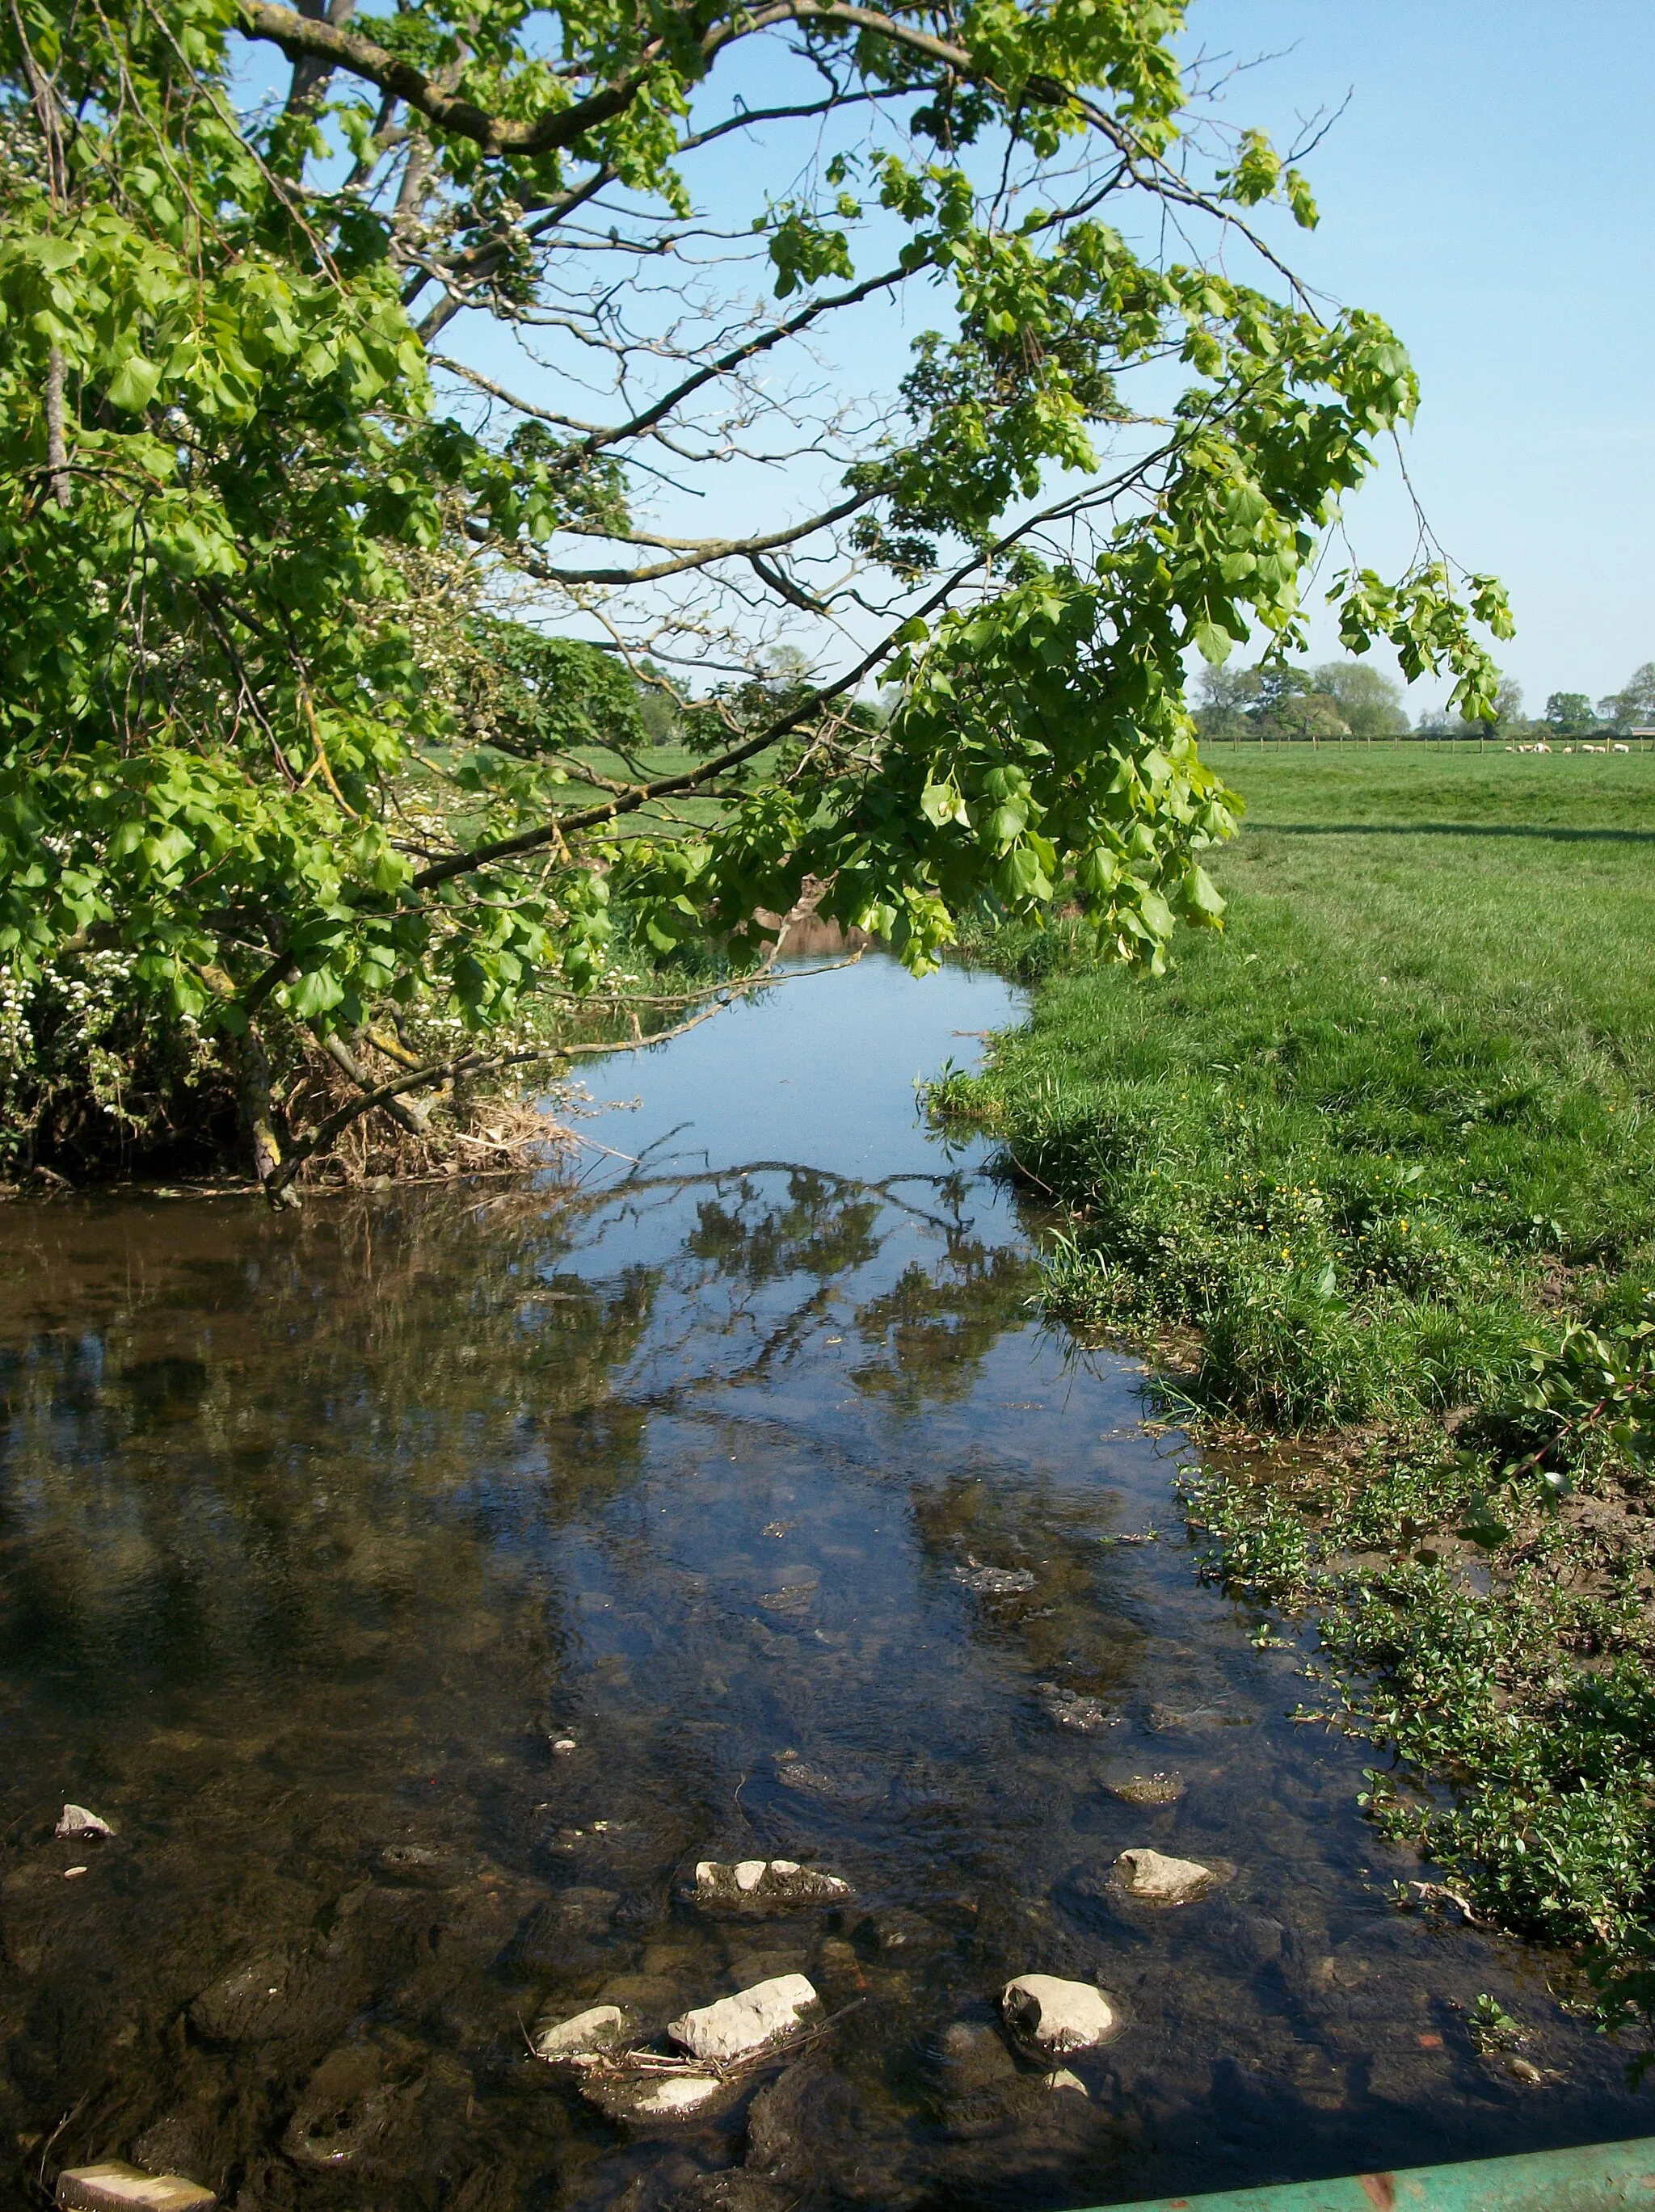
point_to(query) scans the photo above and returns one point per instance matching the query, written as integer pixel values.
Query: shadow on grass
(1455, 830)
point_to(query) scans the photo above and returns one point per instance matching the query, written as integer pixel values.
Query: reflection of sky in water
(820, 1070)
(313, 1532)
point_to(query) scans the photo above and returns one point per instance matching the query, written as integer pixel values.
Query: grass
(1370, 1137)
(1361, 1159)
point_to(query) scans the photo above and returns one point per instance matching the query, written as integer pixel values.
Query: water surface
(317, 1534)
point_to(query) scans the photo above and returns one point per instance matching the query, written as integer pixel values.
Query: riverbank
(1348, 1166)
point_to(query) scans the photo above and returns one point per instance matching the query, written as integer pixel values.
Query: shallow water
(316, 1535)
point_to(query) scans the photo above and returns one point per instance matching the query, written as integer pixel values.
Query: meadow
(1351, 1172)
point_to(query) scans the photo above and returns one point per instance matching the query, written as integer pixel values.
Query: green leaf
(133, 385)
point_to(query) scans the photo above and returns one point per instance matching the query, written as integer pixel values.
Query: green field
(1403, 1099)
(1351, 1165)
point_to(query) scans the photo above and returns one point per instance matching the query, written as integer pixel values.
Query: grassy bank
(1351, 1165)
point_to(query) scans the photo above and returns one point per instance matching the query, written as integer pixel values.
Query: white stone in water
(583, 2040)
(78, 1821)
(1056, 2016)
(779, 1884)
(736, 2028)
(561, 1746)
(114, 2186)
(1159, 1880)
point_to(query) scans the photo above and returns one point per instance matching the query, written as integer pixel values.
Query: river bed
(420, 1587)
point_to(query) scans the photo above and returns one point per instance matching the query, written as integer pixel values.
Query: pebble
(582, 2040)
(1054, 2016)
(761, 1885)
(114, 2186)
(561, 1746)
(70, 1873)
(1062, 2079)
(738, 2026)
(78, 1821)
(1154, 1879)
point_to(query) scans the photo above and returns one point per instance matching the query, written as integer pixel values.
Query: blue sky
(1490, 189)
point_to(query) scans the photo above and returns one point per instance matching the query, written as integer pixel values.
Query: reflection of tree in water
(927, 1337)
(821, 1230)
(263, 1444)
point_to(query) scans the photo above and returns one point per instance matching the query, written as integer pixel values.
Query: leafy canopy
(342, 679)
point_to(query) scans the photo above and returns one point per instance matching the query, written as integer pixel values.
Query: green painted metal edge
(1599, 2177)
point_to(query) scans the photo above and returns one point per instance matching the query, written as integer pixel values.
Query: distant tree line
(1346, 699)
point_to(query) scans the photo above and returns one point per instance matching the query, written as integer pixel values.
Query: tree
(1569, 714)
(1369, 701)
(262, 734)
(1508, 705)
(1633, 706)
(1227, 697)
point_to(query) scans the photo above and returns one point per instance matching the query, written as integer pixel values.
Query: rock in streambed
(752, 2021)
(586, 2039)
(1052, 2017)
(764, 1885)
(1150, 1877)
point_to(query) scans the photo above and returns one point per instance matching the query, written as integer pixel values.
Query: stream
(420, 1586)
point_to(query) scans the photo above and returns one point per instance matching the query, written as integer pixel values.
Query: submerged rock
(583, 2040)
(270, 1995)
(742, 2026)
(418, 1867)
(848, 1786)
(994, 1582)
(566, 1934)
(1054, 2017)
(348, 2107)
(809, 2132)
(1070, 1710)
(114, 2186)
(1171, 1720)
(765, 1886)
(1062, 2079)
(1157, 1788)
(1153, 1878)
(732, 2191)
(895, 1928)
(983, 2091)
(655, 2101)
(974, 2059)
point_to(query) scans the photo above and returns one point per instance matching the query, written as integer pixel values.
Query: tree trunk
(56, 442)
(265, 1143)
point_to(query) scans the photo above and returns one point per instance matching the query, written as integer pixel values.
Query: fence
(1610, 741)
